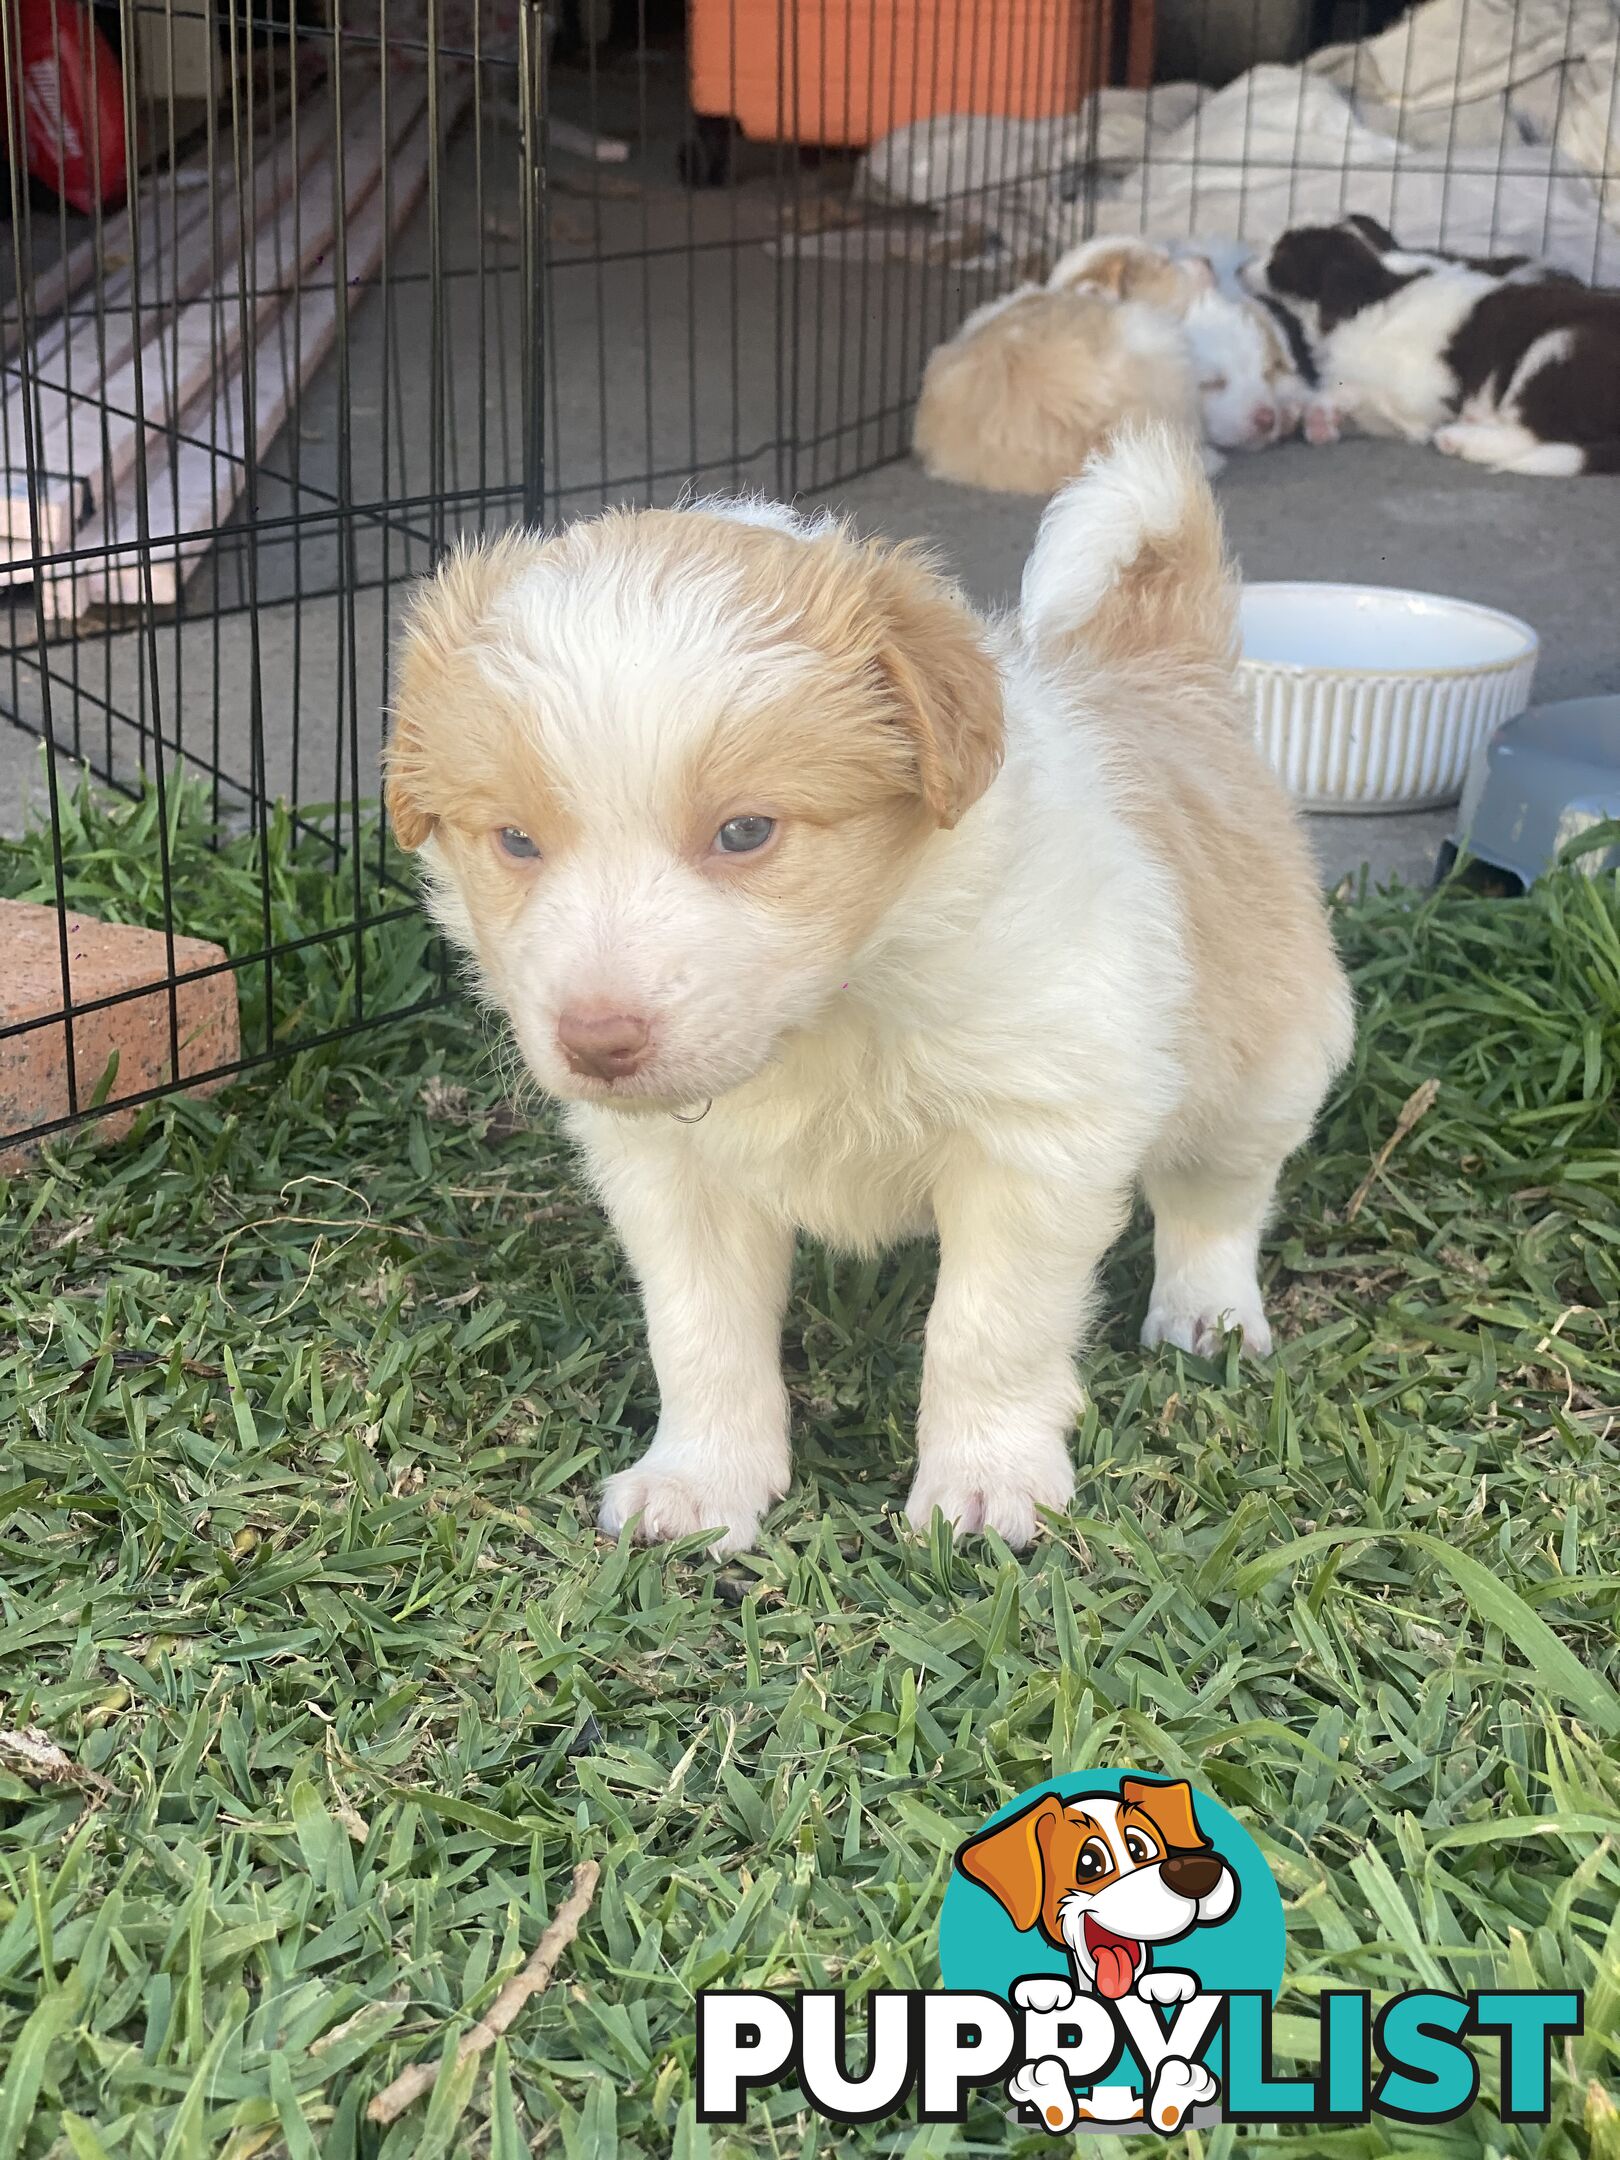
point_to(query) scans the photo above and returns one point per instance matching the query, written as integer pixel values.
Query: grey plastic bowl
(1539, 783)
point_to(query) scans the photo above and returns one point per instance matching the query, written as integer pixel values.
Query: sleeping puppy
(826, 905)
(1504, 364)
(1251, 392)
(1032, 383)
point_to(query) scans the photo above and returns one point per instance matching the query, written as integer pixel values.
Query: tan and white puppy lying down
(828, 906)
(1032, 384)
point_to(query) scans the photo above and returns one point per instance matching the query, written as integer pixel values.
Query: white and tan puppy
(828, 906)
(1250, 392)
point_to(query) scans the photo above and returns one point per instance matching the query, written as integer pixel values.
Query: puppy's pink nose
(606, 1045)
(1265, 419)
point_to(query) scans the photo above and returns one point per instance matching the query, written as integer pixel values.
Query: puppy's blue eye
(741, 835)
(514, 841)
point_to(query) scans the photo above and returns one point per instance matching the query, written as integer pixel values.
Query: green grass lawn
(306, 1392)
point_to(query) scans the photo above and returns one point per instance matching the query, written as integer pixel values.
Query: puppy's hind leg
(1506, 447)
(1207, 1226)
(1211, 1185)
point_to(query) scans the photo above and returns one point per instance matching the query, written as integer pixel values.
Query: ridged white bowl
(1369, 698)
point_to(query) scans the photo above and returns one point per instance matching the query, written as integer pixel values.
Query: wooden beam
(194, 484)
(81, 364)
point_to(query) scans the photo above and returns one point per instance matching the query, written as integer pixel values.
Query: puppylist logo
(1111, 1945)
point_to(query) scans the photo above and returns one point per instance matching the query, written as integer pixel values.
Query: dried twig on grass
(1416, 1105)
(391, 2103)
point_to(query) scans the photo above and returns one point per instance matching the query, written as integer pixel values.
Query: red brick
(103, 959)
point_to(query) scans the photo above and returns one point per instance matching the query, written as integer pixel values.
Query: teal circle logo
(1136, 1892)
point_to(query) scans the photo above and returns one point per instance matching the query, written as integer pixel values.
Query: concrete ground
(683, 339)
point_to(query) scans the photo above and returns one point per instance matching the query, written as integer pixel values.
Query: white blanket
(1483, 126)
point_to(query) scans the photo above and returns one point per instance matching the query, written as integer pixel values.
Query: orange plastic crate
(847, 71)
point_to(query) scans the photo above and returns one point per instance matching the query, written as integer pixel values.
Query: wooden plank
(61, 280)
(189, 498)
(56, 285)
(62, 502)
(192, 495)
(208, 476)
(60, 491)
(183, 366)
(73, 366)
(168, 216)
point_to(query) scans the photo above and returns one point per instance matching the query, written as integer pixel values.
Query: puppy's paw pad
(663, 1505)
(1204, 1332)
(1042, 1993)
(1179, 2087)
(1044, 2087)
(1167, 1987)
(1449, 441)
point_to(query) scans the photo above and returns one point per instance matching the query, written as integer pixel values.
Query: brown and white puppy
(1033, 383)
(1111, 1879)
(1108, 1879)
(1493, 360)
(826, 905)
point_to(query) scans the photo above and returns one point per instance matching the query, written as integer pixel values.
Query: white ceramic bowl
(1369, 698)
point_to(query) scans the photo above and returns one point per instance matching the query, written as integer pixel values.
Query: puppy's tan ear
(1010, 1860)
(944, 686)
(407, 753)
(442, 620)
(1114, 273)
(1171, 1807)
(413, 826)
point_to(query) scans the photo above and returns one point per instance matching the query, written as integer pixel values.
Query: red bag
(72, 103)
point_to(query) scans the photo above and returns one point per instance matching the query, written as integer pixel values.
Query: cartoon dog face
(1105, 1876)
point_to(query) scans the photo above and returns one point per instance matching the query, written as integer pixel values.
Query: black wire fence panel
(383, 275)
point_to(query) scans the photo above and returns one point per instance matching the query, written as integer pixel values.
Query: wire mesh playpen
(379, 279)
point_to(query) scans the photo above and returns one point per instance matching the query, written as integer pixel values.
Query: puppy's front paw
(1167, 1987)
(664, 1501)
(1201, 1326)
(1042, 1993)
(1178, 2086)
(974, 1494)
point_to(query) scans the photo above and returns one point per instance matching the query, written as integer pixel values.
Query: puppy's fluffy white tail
(1129, 567)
